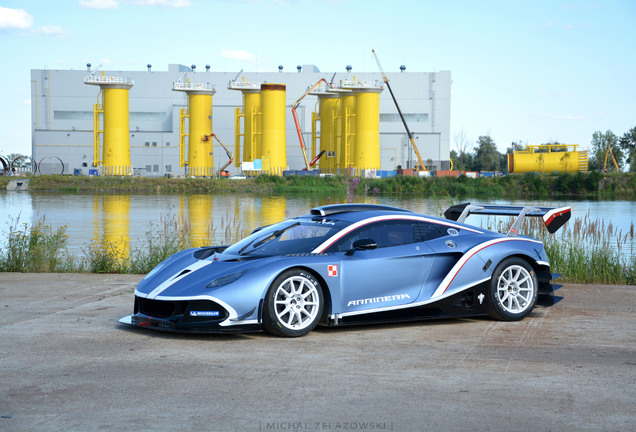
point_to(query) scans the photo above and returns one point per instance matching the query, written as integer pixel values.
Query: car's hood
(183, 274)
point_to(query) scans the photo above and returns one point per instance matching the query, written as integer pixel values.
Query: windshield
(288, 237)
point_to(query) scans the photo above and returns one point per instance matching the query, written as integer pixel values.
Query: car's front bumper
(190, 316)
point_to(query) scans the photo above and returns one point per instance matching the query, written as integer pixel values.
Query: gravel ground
(67, 364)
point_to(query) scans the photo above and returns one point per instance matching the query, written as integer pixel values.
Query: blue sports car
(352, 264)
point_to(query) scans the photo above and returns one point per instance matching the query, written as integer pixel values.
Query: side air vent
(186, 271)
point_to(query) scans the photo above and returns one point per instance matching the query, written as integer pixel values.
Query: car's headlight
(225, 279)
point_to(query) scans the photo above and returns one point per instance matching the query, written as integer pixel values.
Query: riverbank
(590, 185)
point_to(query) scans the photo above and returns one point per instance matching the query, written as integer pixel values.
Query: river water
(128, 218)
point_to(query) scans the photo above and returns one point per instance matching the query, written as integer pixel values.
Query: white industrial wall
(62, 116)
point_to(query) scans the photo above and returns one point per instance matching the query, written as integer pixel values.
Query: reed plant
(585, 250)
(35, 248)
(588, 250)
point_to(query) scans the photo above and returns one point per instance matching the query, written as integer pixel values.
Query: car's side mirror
(362, 244)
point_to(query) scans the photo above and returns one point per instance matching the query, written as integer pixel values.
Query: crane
(386, 81)
(308, 165)
(222, 172)
(608, 151)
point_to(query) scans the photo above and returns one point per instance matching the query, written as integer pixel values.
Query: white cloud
(51, 30)
(99, 4)
(15, 19)
(166, 3)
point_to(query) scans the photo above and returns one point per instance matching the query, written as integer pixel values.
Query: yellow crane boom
(386, 81)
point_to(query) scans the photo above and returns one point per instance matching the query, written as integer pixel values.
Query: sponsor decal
(452, 231)
(205, 313)
(481, 297)
(378, 299)
(332, 270)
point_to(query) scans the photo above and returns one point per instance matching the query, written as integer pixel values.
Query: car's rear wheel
(293, 304)
(513, 290)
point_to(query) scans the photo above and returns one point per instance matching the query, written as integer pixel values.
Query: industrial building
(80, 126)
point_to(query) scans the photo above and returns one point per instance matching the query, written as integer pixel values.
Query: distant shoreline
(590, 185)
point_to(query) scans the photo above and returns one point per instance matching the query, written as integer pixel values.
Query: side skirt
(464, 304)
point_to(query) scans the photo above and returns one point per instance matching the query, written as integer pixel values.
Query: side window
(425, 231)
(385, 234)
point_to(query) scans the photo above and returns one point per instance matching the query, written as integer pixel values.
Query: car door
(391, 274)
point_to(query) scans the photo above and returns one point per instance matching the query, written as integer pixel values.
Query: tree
(462, 159)
(487, 158)
(628, 144)
(600, 143)
(19, 161)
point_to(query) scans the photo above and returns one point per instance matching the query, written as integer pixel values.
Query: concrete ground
(67, 364)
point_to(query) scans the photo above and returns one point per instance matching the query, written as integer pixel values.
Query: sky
(531, 72)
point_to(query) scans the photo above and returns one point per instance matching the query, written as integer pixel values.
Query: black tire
(513, 290)
(293, 304)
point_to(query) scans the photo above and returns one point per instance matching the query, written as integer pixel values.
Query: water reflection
(124, 220)
(111, 223)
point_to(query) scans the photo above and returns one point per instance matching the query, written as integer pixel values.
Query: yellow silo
(114, 157)
(251, 113)
(327, 106)
(365, 151)
(273, 141)
(200, 160)
(346, 134)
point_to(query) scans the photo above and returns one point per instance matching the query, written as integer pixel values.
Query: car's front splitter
(163, 324)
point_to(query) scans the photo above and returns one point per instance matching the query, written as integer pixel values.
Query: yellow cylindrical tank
(116, 219)
(549, 158)
(347, 134)
(252, 128)
(116, 150)
(366, 149)
(328, 105)
(200, 218)
(273, 138)
(200, 158)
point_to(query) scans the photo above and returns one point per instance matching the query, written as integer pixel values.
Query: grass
(586, 185)
(584, 250)
(587, 250)
(40, 248)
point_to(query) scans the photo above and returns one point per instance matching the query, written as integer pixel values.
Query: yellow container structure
(273, 141)
(346, 132)
(548, 158)
(328, 109)
(251, 114)
(362, 153)
(252, 126)
(200, 159)
(114, 157)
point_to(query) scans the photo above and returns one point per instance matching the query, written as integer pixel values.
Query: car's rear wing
(553, 217)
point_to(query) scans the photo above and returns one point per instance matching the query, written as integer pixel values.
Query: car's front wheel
(513, 290)
(293, 304)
